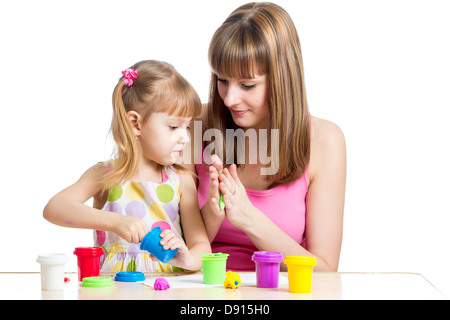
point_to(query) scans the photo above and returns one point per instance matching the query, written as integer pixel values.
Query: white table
(325, 285)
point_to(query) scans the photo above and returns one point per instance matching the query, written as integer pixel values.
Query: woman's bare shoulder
(324, 130)
(325, 134)
(327, 145)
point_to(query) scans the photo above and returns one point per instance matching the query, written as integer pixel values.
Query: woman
(258, 83)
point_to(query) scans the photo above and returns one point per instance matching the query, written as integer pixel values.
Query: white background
(379, 69)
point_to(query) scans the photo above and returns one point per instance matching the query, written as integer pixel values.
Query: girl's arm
(324, 203)
(191, 220)
(67, 209)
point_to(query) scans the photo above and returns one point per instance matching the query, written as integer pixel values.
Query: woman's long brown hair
(260, 38)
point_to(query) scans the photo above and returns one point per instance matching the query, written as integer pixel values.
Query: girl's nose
(184, 137)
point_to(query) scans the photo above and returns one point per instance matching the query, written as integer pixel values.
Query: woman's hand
(237, 204)
(214, 192)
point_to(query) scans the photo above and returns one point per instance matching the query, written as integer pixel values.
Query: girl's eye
(223, 81)
(173, 128)
(249, 86)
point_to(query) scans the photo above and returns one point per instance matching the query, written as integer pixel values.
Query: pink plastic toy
(161, 284)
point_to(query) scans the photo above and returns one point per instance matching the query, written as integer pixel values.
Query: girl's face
(247, 100)
(164, 137)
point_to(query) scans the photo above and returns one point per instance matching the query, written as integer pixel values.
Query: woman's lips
(238, 112)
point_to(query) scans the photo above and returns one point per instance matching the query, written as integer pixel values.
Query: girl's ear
(135, 121)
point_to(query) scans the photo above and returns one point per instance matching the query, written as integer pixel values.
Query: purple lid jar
(267, 256)
(267, 265)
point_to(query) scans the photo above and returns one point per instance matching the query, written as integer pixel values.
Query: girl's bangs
(179, 102)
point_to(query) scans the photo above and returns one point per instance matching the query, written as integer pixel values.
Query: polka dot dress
(155, 203)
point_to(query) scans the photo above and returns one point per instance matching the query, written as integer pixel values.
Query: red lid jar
(88, 261)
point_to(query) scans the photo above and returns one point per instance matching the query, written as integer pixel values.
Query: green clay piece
(221, 203)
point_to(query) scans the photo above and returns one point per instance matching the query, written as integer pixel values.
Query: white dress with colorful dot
(155, 203)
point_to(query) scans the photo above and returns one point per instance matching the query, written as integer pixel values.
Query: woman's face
(247, 100)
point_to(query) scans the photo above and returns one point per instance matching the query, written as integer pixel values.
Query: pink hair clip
(128, 76)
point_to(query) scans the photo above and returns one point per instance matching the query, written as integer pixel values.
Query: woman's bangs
(239, 57)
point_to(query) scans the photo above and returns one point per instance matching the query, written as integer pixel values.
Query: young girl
(141, 187)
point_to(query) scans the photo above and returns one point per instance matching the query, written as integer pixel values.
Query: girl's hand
(214, 192)
(237, 205)
(131, 229)
(182, 258)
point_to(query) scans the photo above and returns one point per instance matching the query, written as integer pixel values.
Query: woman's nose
(232, 96)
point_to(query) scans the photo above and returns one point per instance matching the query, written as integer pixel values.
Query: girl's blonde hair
(260, 38)
(157, 88)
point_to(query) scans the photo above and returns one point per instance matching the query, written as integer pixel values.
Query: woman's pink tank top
(285, 205)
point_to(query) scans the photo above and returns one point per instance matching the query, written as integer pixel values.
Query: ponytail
(128, 151)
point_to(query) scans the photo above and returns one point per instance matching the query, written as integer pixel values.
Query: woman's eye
(173, 128)
(223, 81)
(249, 86)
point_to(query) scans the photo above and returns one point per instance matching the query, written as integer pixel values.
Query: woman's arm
(326, 193)
(211, 213)
(324, 203)
(67, 209)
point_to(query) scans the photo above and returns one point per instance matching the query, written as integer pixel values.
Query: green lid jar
(97, 282)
